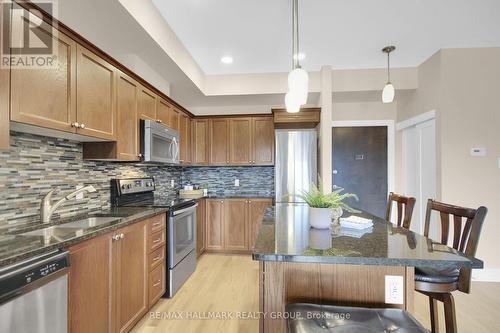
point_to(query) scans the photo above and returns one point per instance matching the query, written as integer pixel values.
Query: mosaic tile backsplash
(35, 164)
(254, 181)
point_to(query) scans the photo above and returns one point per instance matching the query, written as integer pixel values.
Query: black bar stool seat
(315, 318)
(433, 275)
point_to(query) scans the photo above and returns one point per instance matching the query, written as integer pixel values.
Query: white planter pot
(320, 218)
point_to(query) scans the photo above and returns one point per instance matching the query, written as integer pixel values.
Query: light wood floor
(229, 284)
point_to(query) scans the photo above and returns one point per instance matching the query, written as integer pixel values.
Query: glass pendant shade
(388, 93)
(298, 84)
(291, 102)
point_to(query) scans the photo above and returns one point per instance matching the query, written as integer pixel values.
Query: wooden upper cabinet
(240, 149)
(185, 125)
(219, 141)
(215, 224)
(147, 104)
(189, 136)
(256, 209)
(127, 124)
(236, 225)
(174, 119)
(90, 285)
(306, 118)
(163, 110)
(96, 98)
(262, 141)
(131, 275)
(200, 141)
(47, 97)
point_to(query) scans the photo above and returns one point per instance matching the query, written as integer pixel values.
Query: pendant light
(388, 92)
(298, 79)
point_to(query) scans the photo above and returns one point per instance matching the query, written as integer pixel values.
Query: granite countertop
(285, 235)
(15, 247)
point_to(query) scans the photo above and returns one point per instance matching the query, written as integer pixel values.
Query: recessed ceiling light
(300, 56)
(226, 59)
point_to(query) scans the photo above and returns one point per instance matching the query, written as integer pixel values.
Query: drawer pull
(157, 283)
(157, 240)
(158, 258)
(156, 224)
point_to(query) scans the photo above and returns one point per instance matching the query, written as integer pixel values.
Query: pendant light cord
(388, 68)
(295, 34)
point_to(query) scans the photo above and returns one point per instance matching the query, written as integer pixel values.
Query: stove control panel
(135, 185)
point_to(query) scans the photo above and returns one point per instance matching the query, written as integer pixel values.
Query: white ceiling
(341, 33)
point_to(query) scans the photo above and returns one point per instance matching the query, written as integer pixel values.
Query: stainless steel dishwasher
(34, 295)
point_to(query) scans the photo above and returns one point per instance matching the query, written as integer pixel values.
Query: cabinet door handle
(157, 283)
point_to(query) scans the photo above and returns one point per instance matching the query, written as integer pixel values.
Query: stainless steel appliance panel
(35, 296)
(181, 234)
(180, 273)
(159, 143)
(296, 163)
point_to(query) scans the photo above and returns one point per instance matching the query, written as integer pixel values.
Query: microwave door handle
(176, 145)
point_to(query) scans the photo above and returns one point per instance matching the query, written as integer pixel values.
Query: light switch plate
(478, 152)
(394, 289)
(236, 182)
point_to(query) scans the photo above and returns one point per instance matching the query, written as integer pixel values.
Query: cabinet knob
(159, 121)
(115, 237)
(140, 155)
(222, 201)
(122, 236)
(82, 126)
(76, 125)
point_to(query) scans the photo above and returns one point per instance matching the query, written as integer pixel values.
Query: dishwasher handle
(30, 274)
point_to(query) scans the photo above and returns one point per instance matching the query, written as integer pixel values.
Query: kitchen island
(340, 266)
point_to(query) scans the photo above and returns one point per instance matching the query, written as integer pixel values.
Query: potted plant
(323, 206)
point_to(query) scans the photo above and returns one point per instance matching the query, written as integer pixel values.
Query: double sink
(65, 231)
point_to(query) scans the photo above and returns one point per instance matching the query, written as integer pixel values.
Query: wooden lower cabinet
(131, 276)
(113, 279)
(236, 225)
(256, 209)
(201, 217)
(215, 225)
(90, 285)
(232, 224)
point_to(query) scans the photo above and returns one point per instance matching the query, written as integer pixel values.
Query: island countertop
(285, 235)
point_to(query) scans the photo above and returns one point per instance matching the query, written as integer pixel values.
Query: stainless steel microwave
(159, 143)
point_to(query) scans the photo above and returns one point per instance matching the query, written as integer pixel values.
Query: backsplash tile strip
(254, 180)
(36, 164)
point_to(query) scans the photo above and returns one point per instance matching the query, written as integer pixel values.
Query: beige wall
(463, 86)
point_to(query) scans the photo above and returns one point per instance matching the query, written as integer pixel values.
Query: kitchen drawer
(157, 284)
(156, 258)
(157, 223)
(156, 240)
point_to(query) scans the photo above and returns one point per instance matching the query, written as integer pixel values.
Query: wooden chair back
(465, 234)
(408, 203)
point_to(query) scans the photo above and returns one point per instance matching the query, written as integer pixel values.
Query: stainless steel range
(181, 226)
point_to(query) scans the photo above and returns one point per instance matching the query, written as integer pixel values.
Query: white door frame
(391, 139)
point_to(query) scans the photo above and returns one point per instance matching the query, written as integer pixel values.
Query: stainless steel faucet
(47, 209)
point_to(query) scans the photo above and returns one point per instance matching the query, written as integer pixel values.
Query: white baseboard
(486, 275)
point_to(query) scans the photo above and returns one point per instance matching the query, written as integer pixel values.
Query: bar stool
(438, 284)
(316, 318)
(408, 203)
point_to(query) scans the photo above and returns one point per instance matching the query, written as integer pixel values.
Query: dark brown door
(360, 165)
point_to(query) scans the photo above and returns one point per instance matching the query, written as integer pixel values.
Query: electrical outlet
(172, 183)
(79, 196)
(236, 182)
(394, 289)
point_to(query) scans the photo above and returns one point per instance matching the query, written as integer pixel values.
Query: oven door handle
(193, 208)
